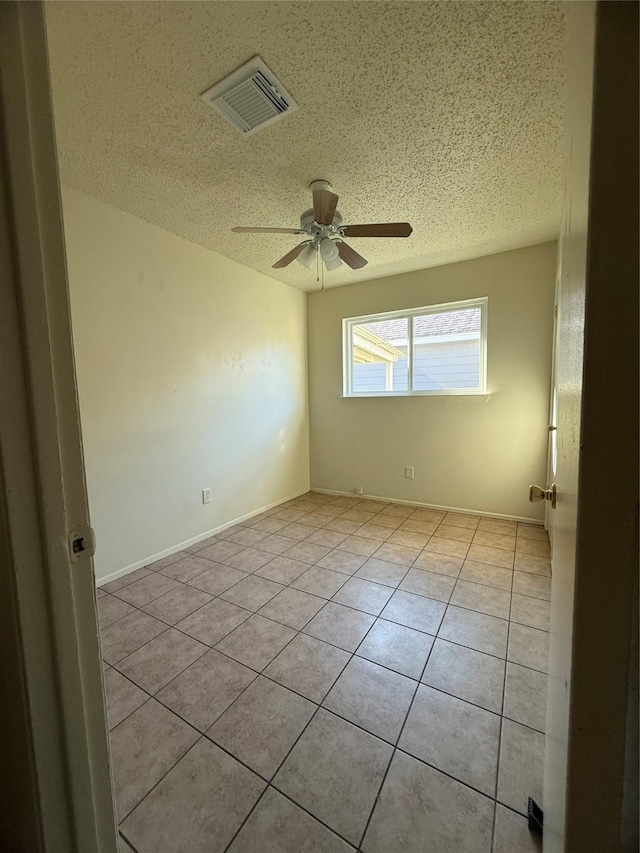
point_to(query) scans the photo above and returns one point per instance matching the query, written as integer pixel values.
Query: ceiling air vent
(250, 98)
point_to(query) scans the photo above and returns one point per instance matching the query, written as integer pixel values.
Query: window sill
(395, 395)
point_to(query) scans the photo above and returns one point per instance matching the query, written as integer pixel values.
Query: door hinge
(82, 543)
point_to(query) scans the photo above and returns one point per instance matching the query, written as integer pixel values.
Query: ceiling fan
(322, 224)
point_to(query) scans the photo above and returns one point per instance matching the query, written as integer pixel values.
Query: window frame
(347, 349)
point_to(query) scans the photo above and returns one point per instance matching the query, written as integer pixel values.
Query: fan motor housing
(308, 224)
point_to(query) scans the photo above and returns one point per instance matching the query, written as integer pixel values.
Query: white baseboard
(112, 576)
(501, 517)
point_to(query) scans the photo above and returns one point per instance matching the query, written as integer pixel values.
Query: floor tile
(334, 771)
(198, 806)
(449, 531)
(372, 697)
(123, 847)
(214, 621)
(123, 697)
(448, 547)
(357, 515)
(127, 634)
(525, 698)
(411, 540)
(475, 630)
(206, 689)
(308, 666)
(521, 766)
(414, 611)
(440, 564)
(175, 605)
(110, 609)
(157, 565)
(297, 530)
(293, 607)
(282, 570)
(359, 545)
(434, 516)
(433, 585)
(482, 573)
(529, 647)
(529, 531)
(401, 554)
(343, 525)
(152, 586)
(512, 834)
(186, 569)
(256, 642)
(484, 599)
(249, 559)
(143, 748)
(370, 530)
(531, 611)
(307, 553)
(262, 725)
(277, 825)
(491, 556)
(397, 511)
(289, 514)
(496, 525)
(454, 736)
(211, 540)
(424, 528)
(273, 544)
(533, 585)
(397, 647)
(252, 592)
(217, 579)
(535, 547)
(533, 565)
(382, 571)
(269, 525)
(161, 659)
(247, 536)
(125, 580)
(340, 626)
(364, 595)
(220, 551)
(467, 674)
(342, 561)
(494, 540)
(329, 538)
(322, 582)
(458, 519)
(418, 803)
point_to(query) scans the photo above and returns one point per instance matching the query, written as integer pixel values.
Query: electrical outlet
(359, 490)
(206, 496)
(409, 472)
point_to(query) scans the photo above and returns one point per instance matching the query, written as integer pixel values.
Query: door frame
(55, 740)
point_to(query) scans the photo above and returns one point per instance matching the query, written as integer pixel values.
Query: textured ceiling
(445, 114)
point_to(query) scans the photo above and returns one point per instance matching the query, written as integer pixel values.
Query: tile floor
(333, 675)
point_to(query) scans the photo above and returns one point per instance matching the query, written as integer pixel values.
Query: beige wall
(191, 373)
(469, 452)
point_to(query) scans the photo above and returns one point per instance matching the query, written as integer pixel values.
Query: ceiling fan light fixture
(334, 263)
(307, 256)
(328, 250)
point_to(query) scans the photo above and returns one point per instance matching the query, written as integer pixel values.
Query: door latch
(82, 543)
(537, 493)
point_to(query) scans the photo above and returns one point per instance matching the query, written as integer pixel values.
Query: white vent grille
(251, 98)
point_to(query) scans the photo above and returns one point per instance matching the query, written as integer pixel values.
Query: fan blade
(324, 206)
(351, 257)
(381, 229)
(285, 260)
(241, 230)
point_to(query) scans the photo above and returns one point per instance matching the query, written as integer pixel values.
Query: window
(441, 349)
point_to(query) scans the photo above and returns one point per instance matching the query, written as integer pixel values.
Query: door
(594, 525)
(60, 794)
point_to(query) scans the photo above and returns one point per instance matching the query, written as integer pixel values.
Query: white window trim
(347, 355)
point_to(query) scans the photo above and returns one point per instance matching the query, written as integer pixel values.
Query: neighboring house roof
(447, 323)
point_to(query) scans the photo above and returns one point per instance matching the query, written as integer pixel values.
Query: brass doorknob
(537, 493)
